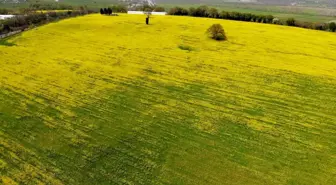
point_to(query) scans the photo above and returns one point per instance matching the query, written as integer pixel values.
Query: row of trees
(114, 8)
(37, 5)
(22, 22)
(4, 11)
(123, 9)
(204, 11)
(119, 8)
(148, 8)
(331, 26)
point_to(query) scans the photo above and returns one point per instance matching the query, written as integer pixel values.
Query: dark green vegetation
(106, 11)
(186, 47)
(18, 23)
(304, 14)
(4, 42)
(205, 11)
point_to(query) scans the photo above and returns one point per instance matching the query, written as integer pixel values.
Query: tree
(178, 11)
(213, 12)
(202, 11)
(192, 11)
(105, 11)
(276, 21)
(159, 9)
(269, 18)
(216, 31)
(148, 13)
(332, 26)
(119, 8)
(147, 7)
(4, 11)
(291, 22)
(109, 10)
(224, 15)
(102, 11)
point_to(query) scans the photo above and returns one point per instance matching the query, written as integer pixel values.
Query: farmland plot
(110, 100)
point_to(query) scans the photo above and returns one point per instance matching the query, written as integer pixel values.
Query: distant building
(2, 17)
(141, 13)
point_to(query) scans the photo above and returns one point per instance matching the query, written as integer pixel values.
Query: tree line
(22, 22)
(4, 11)
(205, 11)
(148, 8)
(115, 8)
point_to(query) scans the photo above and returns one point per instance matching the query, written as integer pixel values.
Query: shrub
(216, 32)
(307, 25)
(291, 22)
(102, 11)
(4, 42)
(4, 11)
(276, 21)
(320, 26)
(332, 26)
(185, 47)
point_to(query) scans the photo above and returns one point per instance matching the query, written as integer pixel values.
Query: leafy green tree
(224, 15)
(202, 11)
(109, 10)
(213, 12)
(192, 11)
(178, 11)
(216, 31)
(159, 9)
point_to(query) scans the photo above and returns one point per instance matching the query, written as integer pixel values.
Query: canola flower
(90, 81)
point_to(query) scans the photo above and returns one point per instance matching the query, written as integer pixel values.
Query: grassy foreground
(109, 100)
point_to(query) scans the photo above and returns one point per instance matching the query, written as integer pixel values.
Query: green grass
(4, 42)
(185, 47)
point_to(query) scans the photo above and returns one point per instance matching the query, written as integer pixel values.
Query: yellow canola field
(111, 100)
(72, 58)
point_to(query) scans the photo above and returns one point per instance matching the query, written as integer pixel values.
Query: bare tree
(147, 9)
